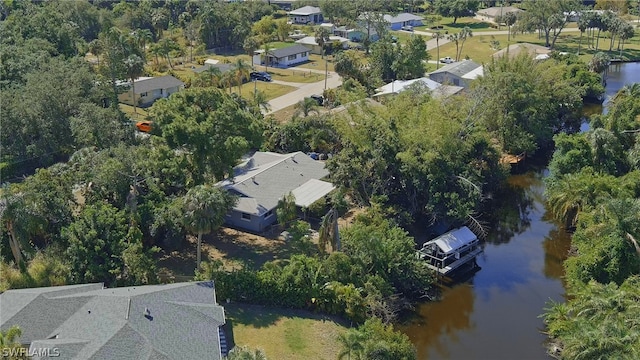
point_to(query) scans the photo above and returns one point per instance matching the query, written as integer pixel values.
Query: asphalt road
(303, 90)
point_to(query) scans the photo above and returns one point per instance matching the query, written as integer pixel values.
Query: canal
(496, 313)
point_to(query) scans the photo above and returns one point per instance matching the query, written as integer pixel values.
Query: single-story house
(403, 19)
(292, 55)
(265, 178)
(514, 49)
(311, 44)
(150, 89)
(90, 321)
(490, 14)
(459, 73)
(397, 86)
(329, 26)
(357, 34)
(306, 15)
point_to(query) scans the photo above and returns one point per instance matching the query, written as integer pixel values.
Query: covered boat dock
(451, 250)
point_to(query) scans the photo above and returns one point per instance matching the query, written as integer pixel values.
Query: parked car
(260, 75)
(407, 28)
(318, 98)
(446, 60)
(144, 126)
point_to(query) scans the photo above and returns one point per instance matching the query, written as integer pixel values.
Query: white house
(458, 73)
(150, 89)
(311, 44)
(403, 19)
(436, 89)
(306, 15)
(284, 57)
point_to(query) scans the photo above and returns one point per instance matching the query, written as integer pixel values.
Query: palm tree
(228, 78)
(244, 353)
(241, 70)
(583, 24)
(509, 19)
(351, 342)
(322, 37)
(437, 35)
(306, 106)
(260, 100)
(167, 45)
(191, 35)
(464, 34)
(215, 76)
(8, 342)
(456, 39)
(204, 210)
(267, 48)
(135, 67)
(144, 37)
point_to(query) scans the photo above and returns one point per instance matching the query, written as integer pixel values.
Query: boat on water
(451, 251)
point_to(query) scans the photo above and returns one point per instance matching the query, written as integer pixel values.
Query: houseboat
(450, 251)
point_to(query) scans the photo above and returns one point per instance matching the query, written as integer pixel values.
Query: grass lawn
(296, 76)
(478, 49)
(448, 25)
(128, 110)
(404, 36)
(317, 63)
(283, 115)
(284, 333)
(271, 90)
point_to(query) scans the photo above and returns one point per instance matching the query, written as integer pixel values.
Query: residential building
(284, 57)
(315, 48)
(459, 73)
(265, 178)
(401, 20)
(150, 89)
(306, 15)
(89, 321)
(357, 34)
(513, 50)
(491, 14)
(436, 89)
(223, 68)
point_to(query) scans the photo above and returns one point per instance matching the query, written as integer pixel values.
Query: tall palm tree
(267, 48)
(215, 76)
(322, 38)
(144, 37)
(456, 39)
(228, 79)
(135, 67)
(241, 71)
(437, 35)
(462, 36)
(204, 210)
(191, 35)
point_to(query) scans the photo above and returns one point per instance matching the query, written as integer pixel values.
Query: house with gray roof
(223, 68)
(150, 89)
(89, 321)
(284, 57)
(261, 180)
(459, 73)
(306, 15)
(397, 22)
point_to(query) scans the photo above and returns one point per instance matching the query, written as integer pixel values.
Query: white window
(246, 216)
(292, 57)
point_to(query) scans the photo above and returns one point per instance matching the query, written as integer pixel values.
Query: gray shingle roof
(101, 323)
(458, 68)
(402, 17)
(284, 52)
(266, 177)
(162, 82)
(306, 10)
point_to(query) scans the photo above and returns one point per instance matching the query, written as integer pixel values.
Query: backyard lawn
(448, 25)
(128, 110)
(317, 63)
(284, 333)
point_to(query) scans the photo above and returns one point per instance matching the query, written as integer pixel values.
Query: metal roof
(311, 191)
(306, 10)
(162, 82)
(436, 88)
(454, 239)
(291, 50)
(266, 177)
(222, 67)
(170, 321)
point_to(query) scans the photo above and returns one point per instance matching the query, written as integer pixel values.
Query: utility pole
(326, 68)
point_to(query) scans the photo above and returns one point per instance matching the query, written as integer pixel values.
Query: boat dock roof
(454, 239)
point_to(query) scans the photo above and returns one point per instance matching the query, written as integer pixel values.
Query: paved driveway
(303, 90)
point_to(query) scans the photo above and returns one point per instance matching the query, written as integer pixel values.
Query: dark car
(260, 75)
(318, 98)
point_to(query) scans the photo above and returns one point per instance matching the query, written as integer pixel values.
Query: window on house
(246, 216)
(293, 57)
(143, 94)
(268, 213)
(161, 91)
(456, 82)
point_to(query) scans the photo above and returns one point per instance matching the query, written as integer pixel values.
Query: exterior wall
(485, 18)
(396, 26)
(288, 61)
(148, 98)
(306, 19)
(257, 224)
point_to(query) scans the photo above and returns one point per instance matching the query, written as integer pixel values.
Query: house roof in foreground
(154, 83)
(459, 68)
(291, 50)
(437, 89)
(454, 239)
(266, 177)
(92, 322)
(306, 10)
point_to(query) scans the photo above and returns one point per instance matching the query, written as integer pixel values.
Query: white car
(407, 28)
(446, 60)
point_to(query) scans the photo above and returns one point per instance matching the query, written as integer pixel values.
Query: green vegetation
(593, 187)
